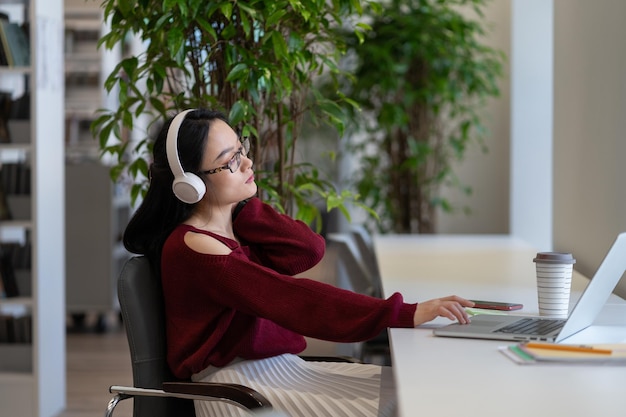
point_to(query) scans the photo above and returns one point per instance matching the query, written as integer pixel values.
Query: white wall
(589, 129)
(532, 122)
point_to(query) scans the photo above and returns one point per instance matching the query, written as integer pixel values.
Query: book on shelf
(7, 272)
(3, 56)
(531, 353)
(19, 108)
(4, 43)
(13, 257)
(15, 178)
(6, 328)
(14, 42)
(5, 113)
(15, 187)
(23, 328)
(5, 213)
(16, 328)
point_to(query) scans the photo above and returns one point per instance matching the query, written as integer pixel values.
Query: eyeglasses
(235, 162)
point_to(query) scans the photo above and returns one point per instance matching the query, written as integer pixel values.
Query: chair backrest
(141, 304)
(350, 263)
(365, 244)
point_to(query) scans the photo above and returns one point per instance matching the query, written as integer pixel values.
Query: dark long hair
(160, 211)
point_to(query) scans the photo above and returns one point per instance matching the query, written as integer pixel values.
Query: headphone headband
(187, 186)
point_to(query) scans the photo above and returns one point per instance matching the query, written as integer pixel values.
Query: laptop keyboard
(534, 326)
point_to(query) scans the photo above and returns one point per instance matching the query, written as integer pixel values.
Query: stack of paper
(545, 353)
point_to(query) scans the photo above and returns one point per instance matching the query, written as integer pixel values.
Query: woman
(234, 311)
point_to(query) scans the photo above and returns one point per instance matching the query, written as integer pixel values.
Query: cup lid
(555, 258)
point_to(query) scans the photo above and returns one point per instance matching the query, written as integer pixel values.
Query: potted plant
(255, 60)
(420, 77)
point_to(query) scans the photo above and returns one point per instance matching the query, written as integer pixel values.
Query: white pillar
(532, 121)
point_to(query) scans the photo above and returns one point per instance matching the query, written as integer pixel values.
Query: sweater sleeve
(309, 307)
(286, 245)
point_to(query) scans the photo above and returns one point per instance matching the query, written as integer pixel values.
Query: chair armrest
(313, 358)
(235, 394)
(240, 394)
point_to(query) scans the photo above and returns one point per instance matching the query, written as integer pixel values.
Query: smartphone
(495, 305)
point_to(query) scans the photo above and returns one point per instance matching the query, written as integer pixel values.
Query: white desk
(443, 377)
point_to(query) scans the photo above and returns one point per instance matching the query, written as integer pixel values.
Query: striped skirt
(306, 389)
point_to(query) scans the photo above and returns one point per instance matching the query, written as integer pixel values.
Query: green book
(15, 44)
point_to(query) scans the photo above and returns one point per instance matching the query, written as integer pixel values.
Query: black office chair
(357, 259)
(155, 392)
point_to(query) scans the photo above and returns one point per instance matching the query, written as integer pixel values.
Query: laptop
(526, 328)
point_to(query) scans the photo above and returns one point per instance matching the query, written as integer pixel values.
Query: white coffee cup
(554, 282)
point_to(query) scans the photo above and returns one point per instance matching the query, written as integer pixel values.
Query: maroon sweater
(248, 304)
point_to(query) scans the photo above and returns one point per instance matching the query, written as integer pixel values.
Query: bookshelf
(97, 212)
(32, 372)
(86, 68)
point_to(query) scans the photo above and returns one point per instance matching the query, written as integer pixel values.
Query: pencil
(570, 348)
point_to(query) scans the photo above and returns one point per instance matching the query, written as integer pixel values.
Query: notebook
(522, 328)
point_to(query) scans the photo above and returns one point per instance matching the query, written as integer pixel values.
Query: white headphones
(187, 186)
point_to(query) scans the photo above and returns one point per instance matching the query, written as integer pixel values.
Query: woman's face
(222, 149)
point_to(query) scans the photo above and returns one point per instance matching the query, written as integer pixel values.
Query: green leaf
(227, 9)
(239, 71)
(275, 17)
(176, 44)
(158, 105)
(125, 6)
(279, 44)
(237, 113)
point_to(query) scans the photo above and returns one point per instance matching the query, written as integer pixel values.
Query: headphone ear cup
(188, 188)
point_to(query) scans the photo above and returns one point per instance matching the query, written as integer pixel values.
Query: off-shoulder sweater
(247, 304)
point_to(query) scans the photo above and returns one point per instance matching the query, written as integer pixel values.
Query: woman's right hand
(452, 307)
